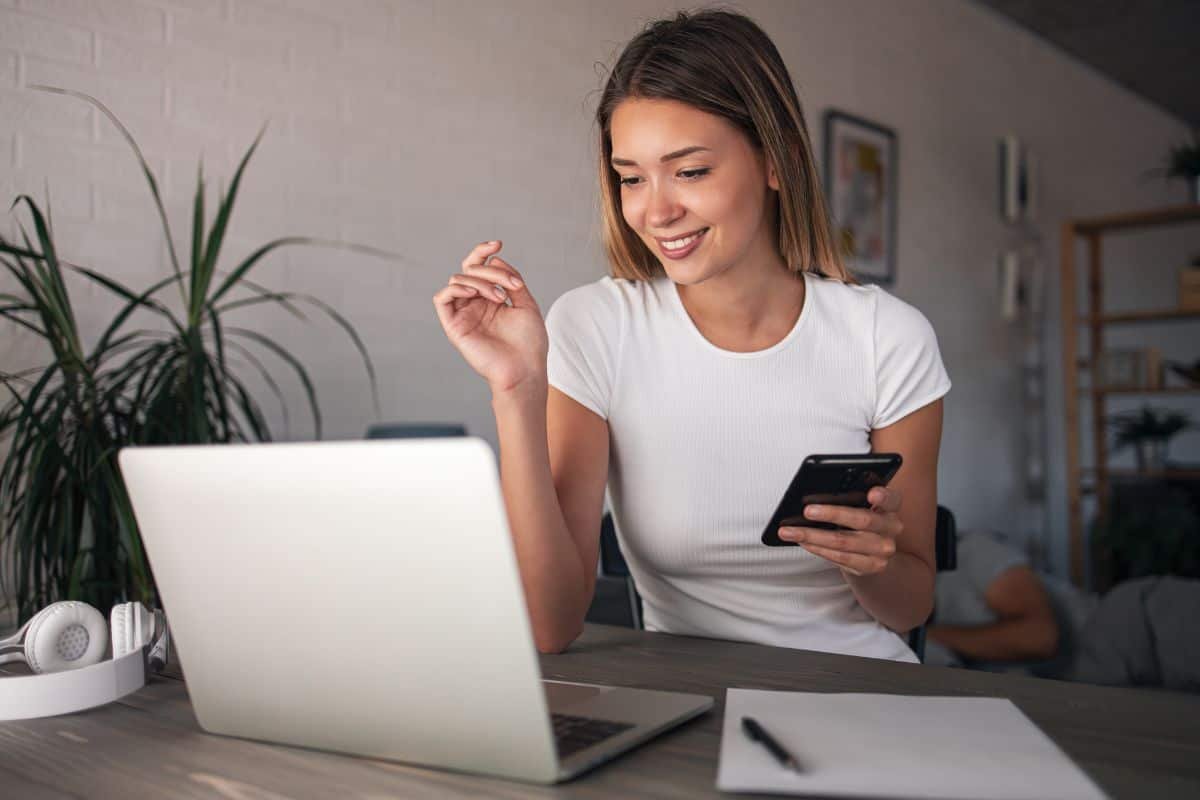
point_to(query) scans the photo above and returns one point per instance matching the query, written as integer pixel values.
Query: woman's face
(693, 188)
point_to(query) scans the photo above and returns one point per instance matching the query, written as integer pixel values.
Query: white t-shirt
(704, 441)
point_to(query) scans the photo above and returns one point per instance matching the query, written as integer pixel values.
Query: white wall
(424, 127)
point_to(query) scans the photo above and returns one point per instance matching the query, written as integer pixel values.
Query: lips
(685, 251)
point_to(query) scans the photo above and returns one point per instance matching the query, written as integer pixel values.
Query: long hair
(722, 63)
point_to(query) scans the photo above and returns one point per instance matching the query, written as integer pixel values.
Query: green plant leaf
(268, 379)
(294, 363)
(197, 255)
(137, 151)
(238, 273)
(217, 235)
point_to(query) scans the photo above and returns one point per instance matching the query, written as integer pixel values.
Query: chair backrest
(612, 562)
(615, 601)
(946, 541)
(945, 550)
(415, 430)
(611, 606)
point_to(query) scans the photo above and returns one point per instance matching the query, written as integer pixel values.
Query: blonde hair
(721, 63)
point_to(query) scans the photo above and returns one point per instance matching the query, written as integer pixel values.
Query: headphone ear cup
(65, 635)
(132, 628)
(119, 624)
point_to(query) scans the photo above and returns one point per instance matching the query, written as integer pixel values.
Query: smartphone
(839, 480)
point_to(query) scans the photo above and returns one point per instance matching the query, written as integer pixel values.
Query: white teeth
(680, 243)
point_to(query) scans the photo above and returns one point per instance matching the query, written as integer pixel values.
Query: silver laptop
(363, 597)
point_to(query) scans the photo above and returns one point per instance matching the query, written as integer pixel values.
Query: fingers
(498, 271)
(854, 563)
(484, 270)
(452, 292)
(856, 542)
(484, 287)
(884, 499)
(444, 300)
(480, 252)
(857, 519)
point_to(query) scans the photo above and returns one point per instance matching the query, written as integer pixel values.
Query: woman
(729, 344)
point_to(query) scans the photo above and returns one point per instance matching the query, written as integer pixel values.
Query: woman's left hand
(869, 544)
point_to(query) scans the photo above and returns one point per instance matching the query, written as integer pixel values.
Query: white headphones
(64, 644)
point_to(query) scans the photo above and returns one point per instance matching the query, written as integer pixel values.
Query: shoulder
(891, 320)
(983, 557)
(604, 294)
(869, 299)
(605, 302)
(895, 317)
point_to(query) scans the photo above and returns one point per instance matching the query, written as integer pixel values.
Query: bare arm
(901, 597)
(1026, 629)
(553, 451)
(887, 553)
(553, 468)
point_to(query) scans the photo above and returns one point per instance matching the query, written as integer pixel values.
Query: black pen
(758, 734)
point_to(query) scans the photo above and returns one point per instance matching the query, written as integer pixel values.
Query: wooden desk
(1133, 742)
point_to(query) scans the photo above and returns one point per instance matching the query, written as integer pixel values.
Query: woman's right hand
(506, 344)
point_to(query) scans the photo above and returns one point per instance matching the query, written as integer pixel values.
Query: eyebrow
(687, 151)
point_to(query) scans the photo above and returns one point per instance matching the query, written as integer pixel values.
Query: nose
(662, 208)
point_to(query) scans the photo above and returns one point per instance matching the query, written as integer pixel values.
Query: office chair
(617, 602)
(414, 430)
(945, 551)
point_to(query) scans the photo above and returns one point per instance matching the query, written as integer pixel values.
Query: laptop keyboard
(572, 734)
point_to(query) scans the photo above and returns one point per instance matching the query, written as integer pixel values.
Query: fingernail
(493, 241)
(515, 283)
(499, 292)
(815, 512)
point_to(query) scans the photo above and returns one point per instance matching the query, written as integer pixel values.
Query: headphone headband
(70, 690)
(31, 696)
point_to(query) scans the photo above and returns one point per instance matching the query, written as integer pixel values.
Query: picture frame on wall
(860, 185)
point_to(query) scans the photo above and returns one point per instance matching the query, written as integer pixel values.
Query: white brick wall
(425, 126)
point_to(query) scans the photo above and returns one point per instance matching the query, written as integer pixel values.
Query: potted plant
(67, 530)
(1148, 430)
(1183, 161)
(1148, 529)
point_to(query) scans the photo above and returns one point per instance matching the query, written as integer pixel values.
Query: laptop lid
(348, 596)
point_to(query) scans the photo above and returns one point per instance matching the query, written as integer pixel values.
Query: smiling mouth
(683, 241)
(683, 246)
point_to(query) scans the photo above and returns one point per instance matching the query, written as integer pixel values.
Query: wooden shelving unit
(1168, 390)
(1092, 320)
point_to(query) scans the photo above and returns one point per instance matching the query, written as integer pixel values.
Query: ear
(772, 176)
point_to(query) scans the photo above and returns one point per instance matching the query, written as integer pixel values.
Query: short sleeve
(909, 372)
(586, 330)
(982, 559)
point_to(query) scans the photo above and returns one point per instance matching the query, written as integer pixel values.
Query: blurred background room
(1036, 171)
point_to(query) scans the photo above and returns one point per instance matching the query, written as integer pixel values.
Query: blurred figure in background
(995, 612)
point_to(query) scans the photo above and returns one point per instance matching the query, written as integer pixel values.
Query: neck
(747, 307)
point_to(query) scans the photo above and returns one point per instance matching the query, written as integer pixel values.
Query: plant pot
(1151, 454)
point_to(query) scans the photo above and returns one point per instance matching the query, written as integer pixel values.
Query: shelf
(1118, 475)
(1168, 390)
(1084, 325)
(1166, 474)
(1141, 219)
(1166, 315)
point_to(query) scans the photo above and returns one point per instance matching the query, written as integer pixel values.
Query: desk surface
(1133, 742)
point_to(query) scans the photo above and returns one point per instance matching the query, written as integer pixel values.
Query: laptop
(363, 597)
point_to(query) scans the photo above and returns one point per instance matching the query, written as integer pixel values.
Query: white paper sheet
(880, 745)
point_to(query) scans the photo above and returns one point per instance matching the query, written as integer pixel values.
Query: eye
(629, 181)
(693, 174)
